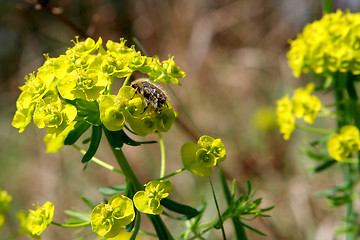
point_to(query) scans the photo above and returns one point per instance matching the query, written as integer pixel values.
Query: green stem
(126, 80)
(218, 210)
(172, 174)
(98, 161)
(110, 86)
(350, 217)
(239, 227)
(314, 130)
(126, 169)
(340, 82)
(160, 228)
(140, 46)
(163, 157)
(84, 224)
(327, 6)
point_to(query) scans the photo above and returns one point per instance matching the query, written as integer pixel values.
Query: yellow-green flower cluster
(86, 72)
(33, 223)
(5, 199)
(108, 219)
(302, 105)
(341, 145)
(328, 45)
(148, 201)
(201, 157)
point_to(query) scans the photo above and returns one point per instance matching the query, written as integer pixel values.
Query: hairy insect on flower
(153, 94)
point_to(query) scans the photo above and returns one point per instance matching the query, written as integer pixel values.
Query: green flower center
(53, 119)
(85, 82)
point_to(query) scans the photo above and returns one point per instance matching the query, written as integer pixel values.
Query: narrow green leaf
(109, 191)
(327, 83)
(253, 229)
(87, 202)
(88, 111)
(77, 217)
(78, 130)
(324, 166)
(131, 225)
(345, 186)
(128, 141)
(114, 138)
(188, 211)
(239, 230)
(94, 144)
(137, 226)
(351, 88)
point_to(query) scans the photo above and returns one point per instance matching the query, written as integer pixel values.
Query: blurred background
(234, 54)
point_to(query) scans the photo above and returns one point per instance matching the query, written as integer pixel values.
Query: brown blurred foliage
(234, 54)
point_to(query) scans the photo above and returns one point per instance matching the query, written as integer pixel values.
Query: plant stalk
(160, 228)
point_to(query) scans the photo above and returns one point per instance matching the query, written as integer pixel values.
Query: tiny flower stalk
(161, 229)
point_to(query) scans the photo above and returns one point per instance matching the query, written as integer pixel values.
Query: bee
(152, 94)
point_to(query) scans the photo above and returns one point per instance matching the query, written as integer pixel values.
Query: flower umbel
(302, 105)
(344, 143)
(328, 45)
(55, 94)
(148, 201)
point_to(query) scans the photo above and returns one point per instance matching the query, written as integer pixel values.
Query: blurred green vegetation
(234, 54)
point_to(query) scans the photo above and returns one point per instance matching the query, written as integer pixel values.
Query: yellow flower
(328, 45)
(286, 119)
(107, 219)
(347, 142)
(41, 218)
(306, 105)
(148, 201)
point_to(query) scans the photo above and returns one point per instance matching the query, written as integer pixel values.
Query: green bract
(86, 85)
(328, 45)
(148, 201)
(108, 219)
(201, 157)
(54, 96)
(41, 218)
(112, 107)
(344, 143)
